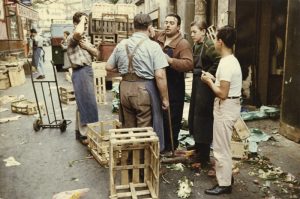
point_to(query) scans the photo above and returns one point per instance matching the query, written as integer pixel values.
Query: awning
(29, 13)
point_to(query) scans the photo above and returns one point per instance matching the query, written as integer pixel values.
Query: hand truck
(39, 123)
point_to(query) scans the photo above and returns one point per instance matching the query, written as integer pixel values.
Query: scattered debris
(184, 190)
(256, 136)
(71, 163)
(7, 98)
(74, 194)
(8, 119)
(11, 162)
(264, 112)
(164, 178)
(3, 110)
(75, 179)
(116, 99)
(176, 167)
(185, 139)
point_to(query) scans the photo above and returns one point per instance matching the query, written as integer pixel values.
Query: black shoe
(79, 136)
(217, 190)
(41, 77)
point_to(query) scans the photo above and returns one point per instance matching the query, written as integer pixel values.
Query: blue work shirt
(147, 58)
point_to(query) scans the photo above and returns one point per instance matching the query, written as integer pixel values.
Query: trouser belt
(132, 77)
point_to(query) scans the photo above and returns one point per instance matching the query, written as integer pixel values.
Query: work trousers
(136, 104)
(226, 113)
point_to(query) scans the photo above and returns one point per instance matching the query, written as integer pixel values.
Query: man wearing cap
(38, 53)
(143, 89)
(180, 59)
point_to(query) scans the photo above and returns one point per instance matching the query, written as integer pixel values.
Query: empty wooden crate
(99, 82)
(25, 107)
(134, 163)
(98, 139)
(67, 95)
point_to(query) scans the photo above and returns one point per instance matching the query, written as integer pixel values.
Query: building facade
(16, 19)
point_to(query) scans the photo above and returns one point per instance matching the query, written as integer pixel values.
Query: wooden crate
(25, 107)
(99, 81)
(4, 79)
(98, 139)
(67, 95)
(134, 163)
(16, 75)
(188, 85)
(98, 38)
(241, 129)
(238, 149)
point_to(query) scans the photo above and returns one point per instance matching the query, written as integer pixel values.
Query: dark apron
(176, 89)
(200, 119)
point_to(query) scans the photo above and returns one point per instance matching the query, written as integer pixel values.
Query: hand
(151, 32)
(209, 75)
(206, 79)
(169, 59)
(83, 17)
(165, 104)
(83, 44)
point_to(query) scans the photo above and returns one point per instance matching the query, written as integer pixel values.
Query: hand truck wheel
(37, 124)
(63, 126)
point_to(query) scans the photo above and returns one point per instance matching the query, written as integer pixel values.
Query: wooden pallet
(98, 139)
(67, 95)
(134, 163)
(25, 107)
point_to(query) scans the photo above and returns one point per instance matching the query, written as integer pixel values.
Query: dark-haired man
(38, 53)
(80, 52)
(180, 59)
(143, 89)
(227, 89)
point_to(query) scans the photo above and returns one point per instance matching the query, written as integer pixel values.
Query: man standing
(143, 89)
(227, 107)
(180, 59)
(38, 53)
(80, 53)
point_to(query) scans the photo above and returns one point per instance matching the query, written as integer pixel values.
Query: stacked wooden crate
(134, 163)
(99, 81)
(67, 95)
(111, 23)
(98, 139)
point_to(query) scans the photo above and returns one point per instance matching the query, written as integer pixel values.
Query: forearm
(182, 64)
(219, 92)
(79, 30)
(161, 82)
(93, 51)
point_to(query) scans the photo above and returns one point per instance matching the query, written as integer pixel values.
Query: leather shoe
(41, 77)
(81, 138)
(218, 190)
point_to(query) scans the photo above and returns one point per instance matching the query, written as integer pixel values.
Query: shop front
(16, 20)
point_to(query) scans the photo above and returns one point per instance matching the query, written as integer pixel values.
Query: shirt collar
(173, 43)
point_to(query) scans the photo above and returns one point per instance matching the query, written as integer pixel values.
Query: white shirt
(229, 70)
